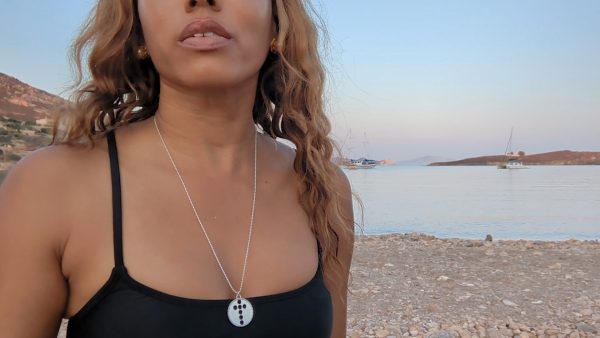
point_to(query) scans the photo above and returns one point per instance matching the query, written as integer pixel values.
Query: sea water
(541, 203)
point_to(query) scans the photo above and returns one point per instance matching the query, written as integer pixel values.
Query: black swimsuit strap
(115, 177)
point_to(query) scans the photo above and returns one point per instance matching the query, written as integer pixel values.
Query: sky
(406, 78)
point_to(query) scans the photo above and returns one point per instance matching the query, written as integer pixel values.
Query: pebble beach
(417, 285)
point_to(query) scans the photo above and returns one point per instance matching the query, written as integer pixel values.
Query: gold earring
(274, 48)
(142, 52)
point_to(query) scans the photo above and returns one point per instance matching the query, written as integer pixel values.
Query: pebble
(413, 331)
(433, 325)
(443, 334)
(508, 302)
(555, 266)
(382, 333)
(585, 327)
(492, 332)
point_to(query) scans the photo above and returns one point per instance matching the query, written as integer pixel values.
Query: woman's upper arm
(33, 291)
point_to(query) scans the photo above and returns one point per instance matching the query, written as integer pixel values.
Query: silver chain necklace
(240, 310)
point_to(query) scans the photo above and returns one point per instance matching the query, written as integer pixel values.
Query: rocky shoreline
(417, 285)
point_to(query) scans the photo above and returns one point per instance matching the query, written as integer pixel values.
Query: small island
(563, 157)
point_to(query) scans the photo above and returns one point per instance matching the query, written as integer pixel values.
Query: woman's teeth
(206, 34)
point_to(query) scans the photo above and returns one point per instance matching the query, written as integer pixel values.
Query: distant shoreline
(495, 164)
(458, 237)
(564, 157)
(418, 236)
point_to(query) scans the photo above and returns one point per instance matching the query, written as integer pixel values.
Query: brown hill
(25, 119)
(564, 157)
(23, 102)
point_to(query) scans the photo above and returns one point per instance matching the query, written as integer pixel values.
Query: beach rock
(433, 325)
(463, 333)
(356, 334)
(488, 237)
(382, 333)
(508, 302)
(585, 327)
(432, 307)
(492, 332)
(413, 330)
(555, 266)
(511, 324)
(442, 334)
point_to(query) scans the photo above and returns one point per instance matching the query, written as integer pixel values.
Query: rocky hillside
(23, 102)
(564, 157)
(25, 119)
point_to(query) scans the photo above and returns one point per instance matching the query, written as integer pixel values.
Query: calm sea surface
(544, 202)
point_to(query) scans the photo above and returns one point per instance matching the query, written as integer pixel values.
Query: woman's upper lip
(203, 26)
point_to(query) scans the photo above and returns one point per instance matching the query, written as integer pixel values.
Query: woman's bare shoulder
(54, 164)
(37, 189)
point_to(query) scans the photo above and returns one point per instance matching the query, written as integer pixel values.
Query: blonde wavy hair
(289, 102)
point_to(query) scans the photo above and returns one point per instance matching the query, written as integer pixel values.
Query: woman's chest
(167, 247)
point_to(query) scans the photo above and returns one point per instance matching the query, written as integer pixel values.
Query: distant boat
(512, 159)
(360, 164)
(513, 164)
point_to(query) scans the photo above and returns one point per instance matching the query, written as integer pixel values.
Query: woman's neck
(208, 127)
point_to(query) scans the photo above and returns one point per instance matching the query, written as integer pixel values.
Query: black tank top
(124, 307)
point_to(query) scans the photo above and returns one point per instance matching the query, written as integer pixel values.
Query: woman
(160, 209)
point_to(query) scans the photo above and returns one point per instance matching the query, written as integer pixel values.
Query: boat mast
(509, 144)
(366, 146)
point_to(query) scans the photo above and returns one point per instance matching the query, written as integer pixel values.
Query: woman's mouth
(204, 35)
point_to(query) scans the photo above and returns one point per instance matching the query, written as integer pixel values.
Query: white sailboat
(512, 159)
(361, 163)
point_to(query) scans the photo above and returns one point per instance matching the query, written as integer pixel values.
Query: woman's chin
(207, 83)
(214, 79)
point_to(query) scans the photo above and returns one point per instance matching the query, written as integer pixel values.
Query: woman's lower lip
(205, 43)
